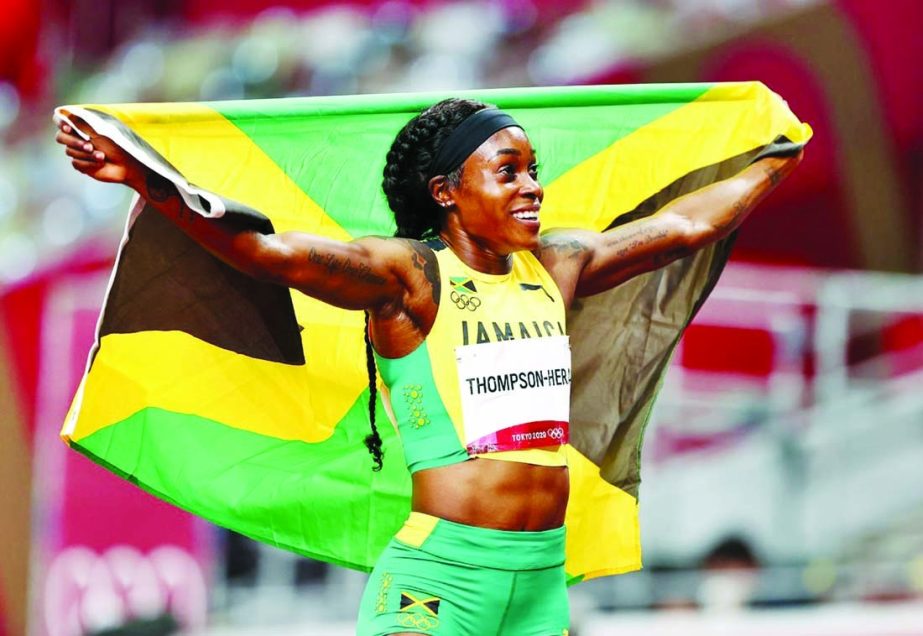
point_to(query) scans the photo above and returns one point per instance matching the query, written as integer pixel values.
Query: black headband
(465, 139)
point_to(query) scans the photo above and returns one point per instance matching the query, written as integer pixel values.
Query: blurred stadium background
(783, 488)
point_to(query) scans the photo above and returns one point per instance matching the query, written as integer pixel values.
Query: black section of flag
(166, 282)
(609, 430)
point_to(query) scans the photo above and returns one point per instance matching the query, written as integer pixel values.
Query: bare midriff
(488, 493)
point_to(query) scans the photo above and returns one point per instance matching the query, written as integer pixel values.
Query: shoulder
(565, 244)
(423, 260)
(413, 261)
(564, 253)
(400, 326)
(400, 253)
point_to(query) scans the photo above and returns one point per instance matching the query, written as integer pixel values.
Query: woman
(466, 287)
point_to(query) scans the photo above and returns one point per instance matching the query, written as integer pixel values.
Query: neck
(476, 255)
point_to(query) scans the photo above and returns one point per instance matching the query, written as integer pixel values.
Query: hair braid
(373, 439)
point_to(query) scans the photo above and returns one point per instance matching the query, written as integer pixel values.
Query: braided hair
(407, 171)
(416, 213)
(373, 439)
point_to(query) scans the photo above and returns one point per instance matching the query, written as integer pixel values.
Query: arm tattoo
(742, 206)
(158, 188)
(637, 238)
(344, 265)
(424, 259)
(564, 246)
(775, 177)
(161, 190)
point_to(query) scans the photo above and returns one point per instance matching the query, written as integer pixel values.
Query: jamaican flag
(246, 403)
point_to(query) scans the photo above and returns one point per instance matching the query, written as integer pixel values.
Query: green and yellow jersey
(492, 378)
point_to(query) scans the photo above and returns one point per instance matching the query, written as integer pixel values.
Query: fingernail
(88, 147)
(99, 155)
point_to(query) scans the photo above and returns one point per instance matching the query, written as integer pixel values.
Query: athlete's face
(498, 199)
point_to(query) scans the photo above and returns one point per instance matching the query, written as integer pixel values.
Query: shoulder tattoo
(562, 247)
(423, 259)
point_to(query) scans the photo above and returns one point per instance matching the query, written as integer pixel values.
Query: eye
(508, 170)
(533, 170)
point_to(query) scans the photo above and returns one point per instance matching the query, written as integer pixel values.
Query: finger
(72, 141)
(82, 125)
(75, 126)
(85, 166)
(83, 156)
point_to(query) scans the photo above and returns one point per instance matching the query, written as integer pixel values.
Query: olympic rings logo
(556, 433)
(464, 301)
(418, 621)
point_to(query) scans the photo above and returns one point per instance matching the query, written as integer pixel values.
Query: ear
(441, 191)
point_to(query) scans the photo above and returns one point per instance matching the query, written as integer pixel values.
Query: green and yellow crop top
(492, 379)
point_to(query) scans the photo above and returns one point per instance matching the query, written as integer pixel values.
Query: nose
(532, 188)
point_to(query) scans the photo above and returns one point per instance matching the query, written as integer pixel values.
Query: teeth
(526, 216)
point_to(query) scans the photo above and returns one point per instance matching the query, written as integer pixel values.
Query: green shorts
(440, 577)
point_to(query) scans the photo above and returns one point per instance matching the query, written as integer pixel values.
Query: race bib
(515, 394)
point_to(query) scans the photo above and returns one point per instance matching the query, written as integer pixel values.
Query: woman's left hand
(99, 157)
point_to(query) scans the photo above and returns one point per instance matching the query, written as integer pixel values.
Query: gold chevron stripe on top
(214, 154)
(569, 201)
(272, 399)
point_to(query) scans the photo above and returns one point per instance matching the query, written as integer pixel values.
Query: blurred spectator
(729, 576)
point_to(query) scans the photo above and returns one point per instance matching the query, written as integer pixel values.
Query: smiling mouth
(526, 215)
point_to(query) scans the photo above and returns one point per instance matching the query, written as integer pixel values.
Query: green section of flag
(335, 148)
(265, 487)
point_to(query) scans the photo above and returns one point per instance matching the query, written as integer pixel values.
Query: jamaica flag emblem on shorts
(419, 612)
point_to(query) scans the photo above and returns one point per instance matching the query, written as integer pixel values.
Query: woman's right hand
(99, 157)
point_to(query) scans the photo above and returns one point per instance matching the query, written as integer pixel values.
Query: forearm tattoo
(343, 265)
(424, 259)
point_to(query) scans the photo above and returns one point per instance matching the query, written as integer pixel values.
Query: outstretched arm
(585, 262)
(367, 273)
